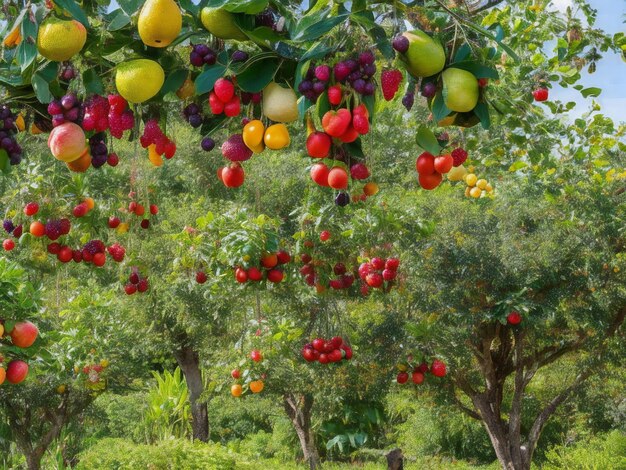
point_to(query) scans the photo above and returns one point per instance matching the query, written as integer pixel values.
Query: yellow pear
(221, 23)
(139, 80)
(160, 22)
(59, 40)
(280, 104)
(457, 173)
(460, 89)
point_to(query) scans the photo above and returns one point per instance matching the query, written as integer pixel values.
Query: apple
(514, 318)
(443, 163)
(24, 334)
(235, 374)
(17, 371)
(402, 378)
(256, 355)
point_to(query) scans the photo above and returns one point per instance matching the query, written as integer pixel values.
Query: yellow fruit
(253, 134)
(1, 330)
(81, 164)
(236, 390)
(139, 80)
(467, 191)
(122, 228)
(153, 156)
(259, 148)
(470, 179)
(61, 389)
(488, 188)
(370, 189)
(280, 104)
(221, 23)
(425, 56)
(481, 183)
(277, 137)
(59, 40)
(3, 374)
(256, 386)
(457, 173)
(34, 130)
(19, 123)
(460, 90)
(186, 90)
(13, 38)
(476, 192)
(160, 22)
(402, 367)
(104, 363)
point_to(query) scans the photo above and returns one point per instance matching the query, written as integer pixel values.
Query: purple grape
(9, 124)
(239, 56)
(341, 70)
(342, 199)
(55, 107)
(401, 44)
(69, 101)
(68, 74)
(210, 58)
(366, 58)
(57, 120)
(3, 134)
(192, 108)
(15, 159)
(195, 120)
(369, 70)
(310, 95)
(5, 112)
(201, 49)
(359, 86)
(207, 144)
(304, 86)
(429, 90)
(196, 59)
(72, 114)
(408, 99)
(319, 87)
(369, 89)
(310, 73)
(7, 224)
(354, 76)
(6, 143)
(98, 160)
(351, 64)
(99, 149)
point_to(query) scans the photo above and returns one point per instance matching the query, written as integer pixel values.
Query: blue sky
(610, 75)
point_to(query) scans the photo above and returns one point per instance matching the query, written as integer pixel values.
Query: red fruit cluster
(23, 334)
(390, 82)
(136, 282)
(430, 169)
(345, 125)
(93, 372)
(140, 211)
(56, 227)
(117, 252)
(223, 98)
(268, 268)
(326, 351)
(93, 251)
(437, 368)
(107, 113)
(81, 210)
(378, 273)
(152, 134)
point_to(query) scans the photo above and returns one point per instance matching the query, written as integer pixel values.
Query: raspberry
(116, 128)
(102, 124)
(341, 70)
(359, 171)
(89, 122)
(117, 104)
(127, 119)
(53, 229)
(144, 141)
(65, 226)
(224, 89)
(117, 252)
(459, 156)
(142, 285)
(134, 278)
(390, 82)
(152, 130)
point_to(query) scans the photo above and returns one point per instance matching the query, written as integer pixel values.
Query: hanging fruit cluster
(270, 267)
(254, 384)
(418, 374)
(327, 351)
(23, 335)
(136, 282)
(476, 187)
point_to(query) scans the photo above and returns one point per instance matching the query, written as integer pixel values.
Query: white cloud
(561, 5)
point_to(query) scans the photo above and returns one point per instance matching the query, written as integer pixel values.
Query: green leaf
(303, 105)
(250, 7)
(5, 165)
(439, 108)
(41, 88)
(482, 112)
(426, 139)
(120, 20)
(479, 70)
(313, 26)
(322, 106)
(257, 76)
(205, 81)
(174, 81)
(593, 92)
(75, 10)
(462, 53)
(518, 165)
(493, 37)
(27, 50)
(316, 51)
(130, 6)
(355, 148)
(93, 82)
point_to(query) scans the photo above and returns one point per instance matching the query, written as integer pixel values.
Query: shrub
(607, 451)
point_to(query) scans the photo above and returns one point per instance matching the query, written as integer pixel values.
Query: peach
(67, 142)
(82, 163)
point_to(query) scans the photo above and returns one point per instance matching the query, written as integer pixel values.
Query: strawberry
(390, 82)
(459, 156)
(334, 95)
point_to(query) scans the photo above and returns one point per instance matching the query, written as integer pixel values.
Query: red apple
(24, 334)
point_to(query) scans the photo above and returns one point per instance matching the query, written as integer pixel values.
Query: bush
(119, 416)
(603, 451)
(235, 419)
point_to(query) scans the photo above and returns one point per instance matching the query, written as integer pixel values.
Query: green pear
(460, 90)
(280, 104)
(221, 23)
(425, 56)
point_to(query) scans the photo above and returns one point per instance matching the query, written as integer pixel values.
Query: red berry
(334, 95)
(54, 248)
(390, 82)
(425, 164)
(318, 144)
(483, 82)
(8, 244)
(224, 90)
(145, 224)
(402, 378)
(142, 285)
(514, 318)
(241, 275)
(459, 156)
(113, 159)
(99, 259)
(324, 235)
(31, 208)
(417, 377)
(201, 277)
(80, 210)
(256, 355)
(389, 275)
(378, 264)
(130, 289)
(154, 210)
(438, 368)
(114, 222)
(283, 257)
(275, 275)
(392, 264)
(65, 254)
(540, 94)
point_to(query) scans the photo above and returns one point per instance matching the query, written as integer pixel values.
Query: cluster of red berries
(437, 368)
(377, 272)
(268, 269)
(93, 251)
(327, 351)
(136, 283)
(153, 135)
(223, 98)
(139, 210)
(66, 109)
(108, 113)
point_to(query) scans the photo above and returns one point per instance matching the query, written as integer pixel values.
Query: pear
(460, 90)
(280, 104)
(221, 23)
(457, 173)
(425, 56)
(160, 22)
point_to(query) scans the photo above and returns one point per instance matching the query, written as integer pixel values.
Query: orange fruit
(90, 203)
(370, 189)
(3, 374)
(81, 164)
(37, 229)
(256, 386)
(269, 260)
(236, 390)
(153, 156)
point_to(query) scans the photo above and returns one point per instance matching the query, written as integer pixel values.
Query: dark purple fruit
(401, 44)
(207, 144)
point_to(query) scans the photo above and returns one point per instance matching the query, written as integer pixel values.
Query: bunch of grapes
(121, 118)
(67, 109)
(67, 71)
(56, 227)
(239, 56)
(7, 135)
(202, 54)
(153, 135)
(98, 149)
(358, 73)
(315, 82)
(192, 115)
(136, 282)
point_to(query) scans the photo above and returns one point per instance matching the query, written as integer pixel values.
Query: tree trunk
(189, 363)
(299, 411)
(33, 460)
